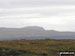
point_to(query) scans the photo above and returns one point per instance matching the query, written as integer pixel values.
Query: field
(47, 47)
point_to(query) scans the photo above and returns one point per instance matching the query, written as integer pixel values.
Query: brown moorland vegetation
(47, 47)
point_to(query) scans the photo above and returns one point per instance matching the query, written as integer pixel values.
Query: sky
(49, 14)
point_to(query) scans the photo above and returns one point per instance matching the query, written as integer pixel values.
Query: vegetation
(47, 47)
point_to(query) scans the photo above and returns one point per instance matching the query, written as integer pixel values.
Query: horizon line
(35, 26)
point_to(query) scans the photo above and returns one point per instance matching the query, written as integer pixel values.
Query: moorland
(46, 47)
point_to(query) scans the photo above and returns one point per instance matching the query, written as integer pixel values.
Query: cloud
(33, 3)
(50, 14)
(43, 11)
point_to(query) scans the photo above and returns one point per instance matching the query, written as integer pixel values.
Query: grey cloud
(33, 3)
(43, 12)
(11, 12)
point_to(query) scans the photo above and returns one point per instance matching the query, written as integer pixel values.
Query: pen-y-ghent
(37, 27)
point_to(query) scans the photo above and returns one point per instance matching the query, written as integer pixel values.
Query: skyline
(49, 14)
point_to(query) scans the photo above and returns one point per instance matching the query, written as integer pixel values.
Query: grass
(48, 47)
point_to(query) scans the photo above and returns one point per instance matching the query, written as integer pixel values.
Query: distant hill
(33, 32)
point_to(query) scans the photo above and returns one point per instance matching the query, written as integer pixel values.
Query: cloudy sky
(50, 14)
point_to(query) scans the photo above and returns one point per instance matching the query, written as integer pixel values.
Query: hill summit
(33, 28)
